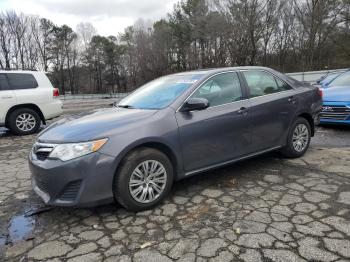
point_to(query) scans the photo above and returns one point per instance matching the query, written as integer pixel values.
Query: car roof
(224, 69)
(212, 71)
(21, 71)
(32, 72)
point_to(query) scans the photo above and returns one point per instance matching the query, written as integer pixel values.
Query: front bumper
(335, 122)
(84, 182)
(335, 113)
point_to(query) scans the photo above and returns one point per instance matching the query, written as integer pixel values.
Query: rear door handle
(292, 99)
(243, 111)
(6, 97)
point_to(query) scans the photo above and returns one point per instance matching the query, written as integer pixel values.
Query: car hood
(91, 125)
(336, 94)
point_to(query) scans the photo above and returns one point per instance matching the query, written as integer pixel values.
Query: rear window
(3, 82)
(21, 81)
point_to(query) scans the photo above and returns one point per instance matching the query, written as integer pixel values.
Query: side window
(261, 83)
(282, 86)
(3, 83)
(221, 89)
(21, 81)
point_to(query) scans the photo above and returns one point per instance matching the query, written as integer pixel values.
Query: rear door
(7, 97)
(273, 106)
(220, 132)
(27, 89)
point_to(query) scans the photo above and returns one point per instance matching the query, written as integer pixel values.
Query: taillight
(320, 92)
(56, 92)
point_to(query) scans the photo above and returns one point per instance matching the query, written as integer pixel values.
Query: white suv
(27, 99)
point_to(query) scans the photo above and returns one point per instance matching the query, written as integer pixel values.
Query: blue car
(336, 101)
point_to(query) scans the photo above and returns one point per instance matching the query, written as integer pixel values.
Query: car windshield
(342, 80)
(329, 78)
(160, 93)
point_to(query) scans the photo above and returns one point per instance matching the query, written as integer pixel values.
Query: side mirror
(193, 104)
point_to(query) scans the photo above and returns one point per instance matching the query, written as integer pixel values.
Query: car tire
(132, 189)
(24, 121)
(298, 140)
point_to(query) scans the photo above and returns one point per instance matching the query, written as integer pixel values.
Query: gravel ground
(264, 209)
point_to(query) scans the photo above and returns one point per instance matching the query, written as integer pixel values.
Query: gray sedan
(171, 128)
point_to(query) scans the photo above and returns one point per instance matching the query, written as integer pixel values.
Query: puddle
(20, 227)
(2, 241)
(3, 131)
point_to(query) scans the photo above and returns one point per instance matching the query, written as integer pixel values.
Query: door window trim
(216, 74)
(270, 73)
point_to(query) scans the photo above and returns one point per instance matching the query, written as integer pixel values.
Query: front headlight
(70, 151)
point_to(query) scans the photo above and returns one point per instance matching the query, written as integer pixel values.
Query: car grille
(42, 183)
(335, 112)
(70, 191)
(42, 151)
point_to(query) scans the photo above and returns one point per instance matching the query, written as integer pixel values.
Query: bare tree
(5, 42)
(85, 32)
(283, 34)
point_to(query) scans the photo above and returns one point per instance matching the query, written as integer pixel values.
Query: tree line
(288, 35)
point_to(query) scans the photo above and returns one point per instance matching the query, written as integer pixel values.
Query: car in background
(27, 99)
(336, 101)
(169, 129)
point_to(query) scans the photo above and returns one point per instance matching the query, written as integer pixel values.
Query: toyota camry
(169, 129)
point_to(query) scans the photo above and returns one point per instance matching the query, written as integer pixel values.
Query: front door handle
(243, 111)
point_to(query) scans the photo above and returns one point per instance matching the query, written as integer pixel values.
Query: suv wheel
(24, 121)
(143, 180)
(298, 139)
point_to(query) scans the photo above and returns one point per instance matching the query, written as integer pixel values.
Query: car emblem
(327, 109)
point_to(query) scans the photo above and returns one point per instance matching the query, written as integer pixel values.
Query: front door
(7, 98)
(222, 131)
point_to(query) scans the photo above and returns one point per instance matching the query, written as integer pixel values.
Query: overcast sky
(108, 16)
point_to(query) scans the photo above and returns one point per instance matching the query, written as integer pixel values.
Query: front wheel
(143, 180)
(298, 140)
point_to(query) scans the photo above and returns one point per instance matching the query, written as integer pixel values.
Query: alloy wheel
(147, 181)
(25, 122)
(300, 137)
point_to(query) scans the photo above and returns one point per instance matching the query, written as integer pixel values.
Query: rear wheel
(298, 140)
(24, 121)
(143, 180)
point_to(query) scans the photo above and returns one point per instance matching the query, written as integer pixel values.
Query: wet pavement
(332, 136)
(19, 228)
(264, 209)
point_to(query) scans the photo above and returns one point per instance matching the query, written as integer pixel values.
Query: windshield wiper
(126, 106)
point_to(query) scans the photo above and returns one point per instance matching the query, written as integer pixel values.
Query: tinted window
(261, 83)
(220, 89)
(3, 82)
(21, 81)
